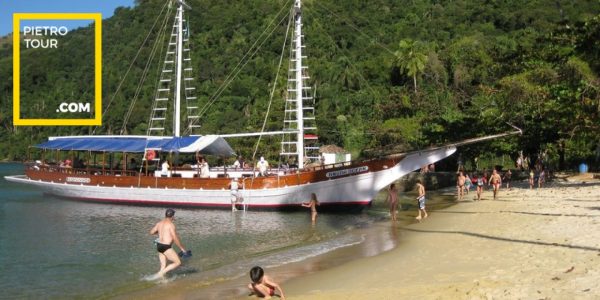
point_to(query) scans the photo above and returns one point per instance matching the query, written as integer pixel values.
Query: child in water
(393, 200)
(421, 200)
(313, 207)
(262, 285)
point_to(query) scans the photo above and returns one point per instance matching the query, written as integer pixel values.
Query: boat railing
(82, 171)
(312, 168)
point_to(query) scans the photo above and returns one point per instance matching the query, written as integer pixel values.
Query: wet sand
(528, 244)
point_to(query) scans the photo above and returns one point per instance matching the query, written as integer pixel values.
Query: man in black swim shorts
(166, 236)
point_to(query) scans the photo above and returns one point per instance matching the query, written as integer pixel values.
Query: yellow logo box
(97, 120)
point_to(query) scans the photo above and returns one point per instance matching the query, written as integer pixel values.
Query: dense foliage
(388, 73)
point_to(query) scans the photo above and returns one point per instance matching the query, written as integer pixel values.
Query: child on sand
(481, 181)
(421, 200)
(460, 185)
(507, 178)
(313, 207)
(467, 183)
(393, 200)
(541, 178)
(531, 177)
(262, 285)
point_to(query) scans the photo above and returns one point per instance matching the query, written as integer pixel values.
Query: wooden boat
(345, 183)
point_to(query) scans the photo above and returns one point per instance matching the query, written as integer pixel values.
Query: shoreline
(538, 243)
(378, 237)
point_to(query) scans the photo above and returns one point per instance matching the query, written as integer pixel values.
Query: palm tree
(410, 58)
(346, 75)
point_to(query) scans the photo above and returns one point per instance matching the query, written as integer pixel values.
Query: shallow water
(101, 250)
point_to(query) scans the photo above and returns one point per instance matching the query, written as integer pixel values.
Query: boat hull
(347, 185)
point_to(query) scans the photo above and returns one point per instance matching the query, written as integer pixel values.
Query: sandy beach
(528, 244)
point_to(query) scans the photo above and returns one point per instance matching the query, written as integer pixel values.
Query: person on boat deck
(263, 166)
(133, 165)
(238, 162)
(164, 171)
(66, 164)
(204, 168)
(78, 163)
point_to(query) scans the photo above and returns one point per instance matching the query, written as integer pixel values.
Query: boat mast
(301, 140)
(177, 108)
(299, 83)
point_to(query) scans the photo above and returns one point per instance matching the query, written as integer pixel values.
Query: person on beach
(485, 178)
(460, 185)
(468, 183)
(166, 236)
(495, 182)
(262, 285)
(541, 178)
(481, 181)
(531, 179)
(313, 207)
(392, 198)
(507, 178)
(421, 200)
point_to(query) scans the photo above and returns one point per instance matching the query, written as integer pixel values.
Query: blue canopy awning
(209, 144)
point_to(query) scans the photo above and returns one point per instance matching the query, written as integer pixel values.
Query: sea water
(54, 248)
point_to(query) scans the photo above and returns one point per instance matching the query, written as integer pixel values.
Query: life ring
(150, 154)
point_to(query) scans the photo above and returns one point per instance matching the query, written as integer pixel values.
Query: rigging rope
(159, 67)
(290, 18)
(242, 63)
(131, 65)
(145, 72)
(355, 27)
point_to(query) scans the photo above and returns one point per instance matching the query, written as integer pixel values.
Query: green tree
(411, 59)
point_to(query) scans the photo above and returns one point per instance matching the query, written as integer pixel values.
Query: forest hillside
(389, 75)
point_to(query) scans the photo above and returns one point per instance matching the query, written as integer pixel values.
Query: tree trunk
(561, 155)
(415, 82)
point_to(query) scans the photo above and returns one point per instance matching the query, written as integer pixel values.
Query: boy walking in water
(421, 200)
(166, 236)
(262, 285)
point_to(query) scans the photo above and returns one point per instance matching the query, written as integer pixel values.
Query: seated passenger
(237, 163)
(133, 165)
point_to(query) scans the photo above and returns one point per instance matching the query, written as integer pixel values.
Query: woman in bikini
(313, 207)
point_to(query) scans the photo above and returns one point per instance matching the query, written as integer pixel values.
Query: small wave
(309, 251)
(240, 268)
